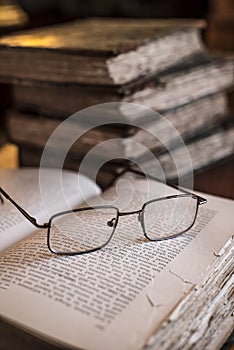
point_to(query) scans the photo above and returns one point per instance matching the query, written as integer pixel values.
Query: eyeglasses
(85, 230)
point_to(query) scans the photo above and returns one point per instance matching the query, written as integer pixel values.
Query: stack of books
(161, 65)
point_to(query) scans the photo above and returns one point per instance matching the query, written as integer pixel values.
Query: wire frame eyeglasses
(85, 230)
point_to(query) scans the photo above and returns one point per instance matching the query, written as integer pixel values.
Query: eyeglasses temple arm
(23, 212)
(201, 200)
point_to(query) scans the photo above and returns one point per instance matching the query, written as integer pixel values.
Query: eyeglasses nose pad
(111, 223)
(140, 217)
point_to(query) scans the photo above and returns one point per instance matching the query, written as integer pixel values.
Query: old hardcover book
(99, 51)
(129, 295)
(30, 156)
(128, 141)
(204, 151)
(165, 91)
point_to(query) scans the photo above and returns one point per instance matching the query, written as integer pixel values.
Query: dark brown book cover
(99, 51)
(188, 120)
(161, 93)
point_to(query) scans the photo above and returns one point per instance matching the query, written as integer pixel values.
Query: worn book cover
(162, 92)
(99, 51)
(127, 141)
(205, 149)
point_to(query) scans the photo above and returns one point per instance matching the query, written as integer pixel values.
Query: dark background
(48, 11)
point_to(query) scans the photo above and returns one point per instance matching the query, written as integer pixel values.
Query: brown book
(203, 152)
(187, 120)
(99, 51)
(31, 157)
(167, 91)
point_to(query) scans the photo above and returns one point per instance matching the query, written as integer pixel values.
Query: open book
(133, 293)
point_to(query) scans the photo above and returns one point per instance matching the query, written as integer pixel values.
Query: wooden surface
(13, 338)
(219, 180)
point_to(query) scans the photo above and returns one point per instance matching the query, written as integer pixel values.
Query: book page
(117, 297)
(24, 187)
